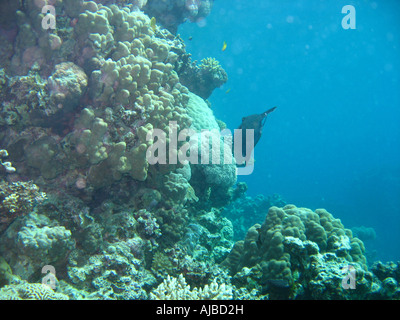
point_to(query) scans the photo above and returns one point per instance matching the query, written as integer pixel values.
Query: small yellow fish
(224, 46)
(153, 24)
(227, 91)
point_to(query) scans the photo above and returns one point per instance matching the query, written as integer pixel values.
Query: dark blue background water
(334, 141)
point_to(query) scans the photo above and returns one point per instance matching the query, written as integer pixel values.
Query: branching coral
(177, 289)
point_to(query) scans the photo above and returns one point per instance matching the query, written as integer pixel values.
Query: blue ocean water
(334, 140)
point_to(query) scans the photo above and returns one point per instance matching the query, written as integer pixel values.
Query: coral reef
(80, 108)
(132, 88)
(109, 81)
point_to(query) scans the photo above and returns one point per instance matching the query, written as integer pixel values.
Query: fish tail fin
(269, 111)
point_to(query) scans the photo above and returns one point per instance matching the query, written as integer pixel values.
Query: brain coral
(22, 290)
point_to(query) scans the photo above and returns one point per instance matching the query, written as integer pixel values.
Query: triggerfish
(255, 122)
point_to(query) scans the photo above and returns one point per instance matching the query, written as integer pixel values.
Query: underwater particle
(289, 19)
(201, 22)
(224, 46)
